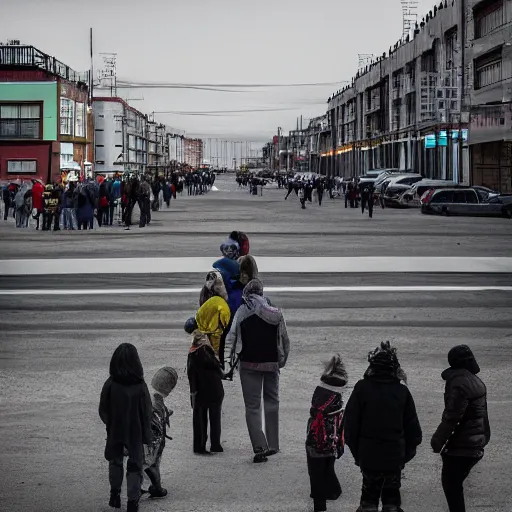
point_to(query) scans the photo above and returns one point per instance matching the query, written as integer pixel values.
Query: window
(67, 116)
(444, 196)
(66, 154)
(21, 166)
(488, 16)
(21, 121)
(451, 48)
(459, 197)
(80, 120)
(488, 69)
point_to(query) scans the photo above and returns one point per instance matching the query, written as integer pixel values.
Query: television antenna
(409, 16)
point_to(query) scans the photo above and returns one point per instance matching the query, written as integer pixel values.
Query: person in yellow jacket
(212, 318)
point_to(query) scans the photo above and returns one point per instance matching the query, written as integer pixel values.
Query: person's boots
(368, 507)
(115, 500)
(260, 457)
(132, 506)
(157, 492)
(320, 506)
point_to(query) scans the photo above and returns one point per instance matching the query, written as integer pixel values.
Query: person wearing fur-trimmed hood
(259, 340)
(324, 441)
(382, 429)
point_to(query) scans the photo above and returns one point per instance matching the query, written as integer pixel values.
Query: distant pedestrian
(324, 442)
(302, 197)
(382, 430)
(164, 381)
(320, 192)
(126, 409)
(464, 430)
(206, 391)
(259, 340)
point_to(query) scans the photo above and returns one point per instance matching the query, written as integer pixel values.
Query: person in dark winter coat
(324, 442)
(259, 340)
(206, 390)
(125, 408)
(464, 430)
(164, 381)
(382, 429)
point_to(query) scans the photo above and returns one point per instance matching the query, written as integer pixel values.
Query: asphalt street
(55, 351)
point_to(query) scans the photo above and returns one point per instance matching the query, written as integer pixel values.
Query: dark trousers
(370, 207)
(455, 471)
(153, 473)
(133, 477)
(200, 416)
(290, 190)
(363, 204)
(381, 485)
(6, 209)
(346, 200)
(324, 482)
(145, 211)
(48, 219)
(320, 197)
(303, 203)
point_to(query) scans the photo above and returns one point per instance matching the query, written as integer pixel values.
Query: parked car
(393, 188)
(412, 196)
(465, 201)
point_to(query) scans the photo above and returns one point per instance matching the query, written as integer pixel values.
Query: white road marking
(269, 289)
(266, 264)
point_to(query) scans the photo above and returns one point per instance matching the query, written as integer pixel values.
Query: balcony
(31, 57)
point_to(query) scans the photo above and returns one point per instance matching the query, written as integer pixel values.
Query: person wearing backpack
(382, 430)
(324, 441)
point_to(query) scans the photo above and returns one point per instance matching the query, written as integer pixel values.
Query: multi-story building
(404, 109)
(488, 59)
(158, 149)
(193, 152)
(45, 122)
(317, 143)
(121, 137)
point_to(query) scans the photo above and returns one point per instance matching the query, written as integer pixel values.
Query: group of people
(237, 327)
(71, 205)
(198, 183)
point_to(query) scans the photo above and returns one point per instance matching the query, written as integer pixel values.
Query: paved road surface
(54, 353)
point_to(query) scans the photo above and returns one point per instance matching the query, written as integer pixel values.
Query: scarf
(258, 304)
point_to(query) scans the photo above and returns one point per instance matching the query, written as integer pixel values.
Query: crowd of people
(237, 328)
(103, 201)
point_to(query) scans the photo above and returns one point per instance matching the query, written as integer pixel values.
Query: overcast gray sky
(215, 41)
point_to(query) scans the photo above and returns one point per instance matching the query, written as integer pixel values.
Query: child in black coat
(382, 430)
(324, 442)
(125, 408)
(206, 390)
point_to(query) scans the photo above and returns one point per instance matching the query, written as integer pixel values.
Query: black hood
(461, 357)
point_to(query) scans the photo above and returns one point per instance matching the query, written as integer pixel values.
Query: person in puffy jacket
(324, 441)
(212, 319)
(259, 340)
(382, 429)
(464, 430)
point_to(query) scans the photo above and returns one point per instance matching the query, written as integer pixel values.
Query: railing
(32, 57)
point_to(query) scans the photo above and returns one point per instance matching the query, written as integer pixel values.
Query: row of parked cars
(395, 188)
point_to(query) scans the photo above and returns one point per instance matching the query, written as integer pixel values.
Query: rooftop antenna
(108, 75)
(364, 59)
(409, 16)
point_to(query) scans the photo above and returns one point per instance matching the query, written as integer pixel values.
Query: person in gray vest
(259, 342)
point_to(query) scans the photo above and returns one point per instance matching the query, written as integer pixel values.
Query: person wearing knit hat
(163, 382)
(382, 429)
(464, 431)
(324, 441)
